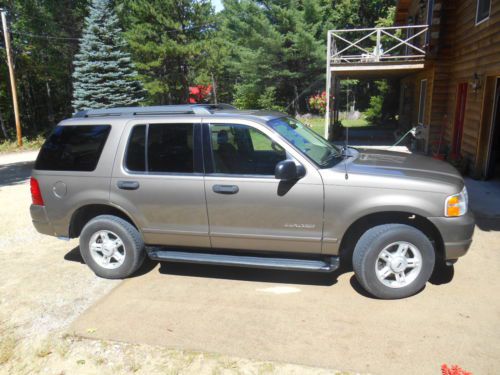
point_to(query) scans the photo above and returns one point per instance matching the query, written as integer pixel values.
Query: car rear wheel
(393, 260)
(112, 247)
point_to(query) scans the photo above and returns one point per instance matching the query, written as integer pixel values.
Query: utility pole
(10, 63)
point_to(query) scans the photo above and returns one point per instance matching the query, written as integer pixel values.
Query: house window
(421, 101)
(483, 10)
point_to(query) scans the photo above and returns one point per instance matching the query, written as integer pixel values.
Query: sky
(217, 4)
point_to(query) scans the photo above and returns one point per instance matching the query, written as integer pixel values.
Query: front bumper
(456, 233)
(41, 220)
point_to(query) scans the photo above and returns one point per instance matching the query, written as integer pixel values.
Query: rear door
(248, 208)
(158, 180)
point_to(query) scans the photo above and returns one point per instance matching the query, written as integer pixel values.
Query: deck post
(328, 83)
(378, 46)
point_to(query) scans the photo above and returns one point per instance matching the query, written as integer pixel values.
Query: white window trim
(420, 104)
(477, 11)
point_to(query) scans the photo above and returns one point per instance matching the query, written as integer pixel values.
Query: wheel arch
(362, 224)
(84, 214)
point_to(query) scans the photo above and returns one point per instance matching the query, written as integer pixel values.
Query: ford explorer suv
(215, 185)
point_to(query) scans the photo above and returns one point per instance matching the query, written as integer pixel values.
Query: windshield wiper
(333, 155)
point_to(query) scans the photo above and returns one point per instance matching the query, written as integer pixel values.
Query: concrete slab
(313, 319)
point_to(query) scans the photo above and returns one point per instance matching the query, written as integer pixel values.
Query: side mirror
(287, 170)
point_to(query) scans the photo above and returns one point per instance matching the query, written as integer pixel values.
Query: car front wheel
(393, 261)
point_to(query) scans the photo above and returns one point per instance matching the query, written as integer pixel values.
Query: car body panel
(64, 192)
(169, 208)
(266, 213)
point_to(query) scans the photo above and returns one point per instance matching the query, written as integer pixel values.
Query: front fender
(346, 205)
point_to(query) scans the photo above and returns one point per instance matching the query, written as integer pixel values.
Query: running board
(330, 264)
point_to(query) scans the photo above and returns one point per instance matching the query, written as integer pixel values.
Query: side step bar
(330, 264)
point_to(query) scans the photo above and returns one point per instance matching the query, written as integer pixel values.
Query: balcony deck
(377, 52)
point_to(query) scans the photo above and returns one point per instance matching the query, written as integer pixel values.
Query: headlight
(456, 205)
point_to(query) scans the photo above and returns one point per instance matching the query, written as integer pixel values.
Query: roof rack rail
(159, 110)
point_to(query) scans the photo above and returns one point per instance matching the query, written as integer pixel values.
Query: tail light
(36, 194)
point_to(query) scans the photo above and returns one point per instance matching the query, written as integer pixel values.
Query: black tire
(133, 246)
(366, 257)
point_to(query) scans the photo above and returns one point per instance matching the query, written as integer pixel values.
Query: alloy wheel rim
(107, 249)
(398, 264)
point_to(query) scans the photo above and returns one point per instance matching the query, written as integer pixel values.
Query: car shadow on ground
(488, 224)
(442, 274)
(251, 274)
(15, 173)
(74, 255)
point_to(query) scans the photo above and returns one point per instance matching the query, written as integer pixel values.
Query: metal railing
(377, 44)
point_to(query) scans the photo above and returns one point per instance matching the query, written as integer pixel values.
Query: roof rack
(158, 110)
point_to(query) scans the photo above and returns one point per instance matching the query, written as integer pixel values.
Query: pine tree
(170, 40)
(104, 75)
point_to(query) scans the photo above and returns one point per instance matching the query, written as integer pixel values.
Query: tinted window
(73, 148)
(240, 149)
(170, 148)
(136, 151)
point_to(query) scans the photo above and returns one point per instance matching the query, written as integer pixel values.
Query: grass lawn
(28, 144)
(318, 123)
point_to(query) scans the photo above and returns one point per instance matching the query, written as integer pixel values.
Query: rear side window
(73, 148)
(136, 151)
(169, 148)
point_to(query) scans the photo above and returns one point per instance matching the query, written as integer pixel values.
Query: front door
(159, 182)
(248, 208)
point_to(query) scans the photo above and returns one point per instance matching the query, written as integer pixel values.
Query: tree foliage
(104, 76)
(169, 40)
(259, 53)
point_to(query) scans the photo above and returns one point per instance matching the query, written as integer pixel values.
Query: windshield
(315, 147)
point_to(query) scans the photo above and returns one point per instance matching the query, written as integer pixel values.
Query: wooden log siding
(474, 49)
(462, 49)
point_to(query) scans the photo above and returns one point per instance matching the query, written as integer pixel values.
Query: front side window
(483, 10)
(74, 148)
(168, 149)
(243, 150)
(315, 147)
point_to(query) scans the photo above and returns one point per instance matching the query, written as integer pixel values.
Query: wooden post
(12, 78)
(328, 83)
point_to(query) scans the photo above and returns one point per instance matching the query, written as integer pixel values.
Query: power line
(78, 39)
(43, 36)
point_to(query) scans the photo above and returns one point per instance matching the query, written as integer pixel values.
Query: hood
(410, 167)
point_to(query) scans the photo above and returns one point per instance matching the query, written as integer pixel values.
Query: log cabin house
(446, 56)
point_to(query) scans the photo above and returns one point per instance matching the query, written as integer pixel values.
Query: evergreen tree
(170, 40)
(104, 76)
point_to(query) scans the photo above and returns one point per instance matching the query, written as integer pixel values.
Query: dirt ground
(44, 288)
(56, 317)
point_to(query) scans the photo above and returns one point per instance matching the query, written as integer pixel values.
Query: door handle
(128, 185)
(225, 189)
